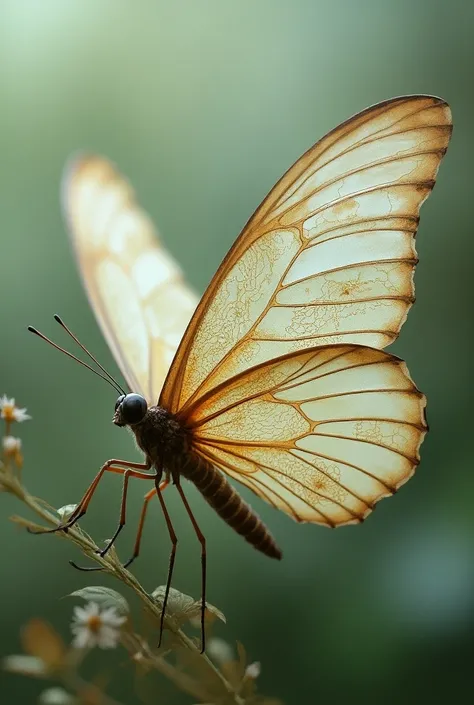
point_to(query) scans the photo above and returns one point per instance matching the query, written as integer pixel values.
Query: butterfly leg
(146, 502)
(127, 474)
(202, 541)
(80, 510)
(174, 543)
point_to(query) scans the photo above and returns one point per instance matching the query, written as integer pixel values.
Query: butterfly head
(130, 409)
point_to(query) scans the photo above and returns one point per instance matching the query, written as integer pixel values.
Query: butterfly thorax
(163, 439)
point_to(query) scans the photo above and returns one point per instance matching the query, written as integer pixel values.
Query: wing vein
(360, 170)
(397, 260)
(412, 460)
(355, 144)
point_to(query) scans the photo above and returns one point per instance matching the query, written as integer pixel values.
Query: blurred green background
(204, 104)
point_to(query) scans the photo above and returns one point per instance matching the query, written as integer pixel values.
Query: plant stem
(112, 565)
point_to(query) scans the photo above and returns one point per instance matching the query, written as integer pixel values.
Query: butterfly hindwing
(322, 434)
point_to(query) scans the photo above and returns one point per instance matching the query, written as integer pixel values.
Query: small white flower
(12, 449)
(253, 670)
(10, 412)
(93, 627)
(11, 445)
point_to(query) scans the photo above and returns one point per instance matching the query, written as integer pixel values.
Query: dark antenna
(59, 320)
(109, 379)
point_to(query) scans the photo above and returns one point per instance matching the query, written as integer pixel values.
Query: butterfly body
(163, 440)
(167, 445)
(226, 501)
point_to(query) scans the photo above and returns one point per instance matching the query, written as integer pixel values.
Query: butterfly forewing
(329, 255)
(135, 287)
(322, 434)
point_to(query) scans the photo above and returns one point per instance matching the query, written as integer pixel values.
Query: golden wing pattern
(128, 276)
(321, 434)
(329, 255)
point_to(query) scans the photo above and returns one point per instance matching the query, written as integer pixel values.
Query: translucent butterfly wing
(322, 434)
(135, 288)
(329, 255)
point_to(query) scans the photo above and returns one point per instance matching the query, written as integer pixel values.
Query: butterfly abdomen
(230, 506)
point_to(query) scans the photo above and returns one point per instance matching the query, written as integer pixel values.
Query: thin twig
(111, 565)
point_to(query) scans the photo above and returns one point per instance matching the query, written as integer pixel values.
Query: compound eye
(134, 408)
(119, 401)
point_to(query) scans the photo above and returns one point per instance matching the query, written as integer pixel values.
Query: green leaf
(183, 607)
(106, 597)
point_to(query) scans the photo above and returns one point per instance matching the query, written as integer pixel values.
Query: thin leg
(123, 510)
(202, 541)
(126, 476)
(80, 510)
(146, 501)
(136, 550)
(174, 542)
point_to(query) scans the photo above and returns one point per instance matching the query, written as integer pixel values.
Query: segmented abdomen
(222, 497)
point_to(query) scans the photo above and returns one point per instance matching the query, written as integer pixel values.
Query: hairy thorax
(163, 440)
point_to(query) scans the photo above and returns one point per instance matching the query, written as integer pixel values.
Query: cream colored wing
(329, 255)
(135, 288)
(322, 434)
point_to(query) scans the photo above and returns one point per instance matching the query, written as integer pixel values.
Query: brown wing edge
(170, 392)
(281, 184)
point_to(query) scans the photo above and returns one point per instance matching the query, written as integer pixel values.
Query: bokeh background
(204, 104)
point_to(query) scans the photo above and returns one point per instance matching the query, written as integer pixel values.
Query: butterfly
(277, 377)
